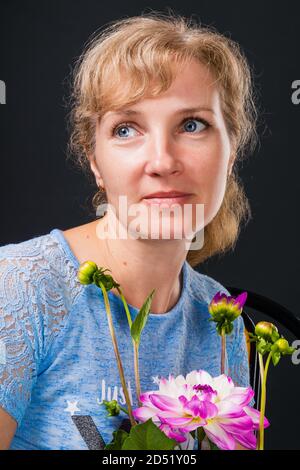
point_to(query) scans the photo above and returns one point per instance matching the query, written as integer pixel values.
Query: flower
(267, 331)
(223, 305)
(89, 273)
(225, 309)
(86, 272)
(183, 404)
(269, 341)
(283, 346)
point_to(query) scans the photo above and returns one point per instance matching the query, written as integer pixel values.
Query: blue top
(57, 362)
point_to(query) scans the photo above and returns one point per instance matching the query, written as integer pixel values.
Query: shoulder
(22, 264)
(23, 248)
(40, 261)
(38, 287)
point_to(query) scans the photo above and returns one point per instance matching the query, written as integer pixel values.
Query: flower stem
(119, 362)
(135, 350)
(263, 402)
(223, 355)
(125, 306)
(261, 371)
(124, 409)
(136, 371)
(261, 367)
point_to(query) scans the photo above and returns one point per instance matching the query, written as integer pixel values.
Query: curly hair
(133, 58)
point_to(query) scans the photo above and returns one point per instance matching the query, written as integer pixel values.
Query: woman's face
(160, 148)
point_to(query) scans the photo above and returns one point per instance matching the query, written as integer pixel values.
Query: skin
(8, 427)
(156, 152)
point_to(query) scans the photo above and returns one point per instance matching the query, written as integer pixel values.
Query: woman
(159, 105)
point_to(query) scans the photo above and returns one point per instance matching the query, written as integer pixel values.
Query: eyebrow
(130, 112)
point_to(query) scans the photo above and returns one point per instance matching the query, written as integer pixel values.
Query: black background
(39, 42)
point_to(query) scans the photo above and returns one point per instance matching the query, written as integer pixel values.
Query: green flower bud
(86, 272)
(283, 346)
(267, 330)
(112, 407)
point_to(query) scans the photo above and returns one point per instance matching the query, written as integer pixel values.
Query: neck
(141, 265)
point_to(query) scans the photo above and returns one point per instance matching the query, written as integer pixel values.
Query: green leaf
(147, 436)
(229, 328)
(275, 336)
(119, 437)
(276, 357)
(289, 351)
(263, 346)
(252, 336)
(141, 319)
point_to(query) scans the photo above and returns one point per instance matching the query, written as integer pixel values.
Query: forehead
(193, 89)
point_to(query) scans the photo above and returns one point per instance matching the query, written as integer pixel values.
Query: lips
(169, 201)
(166, 195)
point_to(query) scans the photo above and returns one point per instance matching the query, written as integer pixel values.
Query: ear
(95, 170)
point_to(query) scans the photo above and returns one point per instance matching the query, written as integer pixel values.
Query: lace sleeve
(238, 365)
(38, 288)
(19, 338)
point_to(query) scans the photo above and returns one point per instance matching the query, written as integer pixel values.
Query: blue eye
(122, 126)
(202, 121)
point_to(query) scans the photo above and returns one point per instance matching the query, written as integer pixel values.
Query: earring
(101, 188)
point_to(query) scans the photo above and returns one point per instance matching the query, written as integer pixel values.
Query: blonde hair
(133, 58)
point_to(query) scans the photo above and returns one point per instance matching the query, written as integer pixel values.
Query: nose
(162, 157)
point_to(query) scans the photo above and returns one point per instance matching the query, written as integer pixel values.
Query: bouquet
(211, 410)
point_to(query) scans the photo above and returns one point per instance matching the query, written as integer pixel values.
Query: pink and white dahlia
(183, 404)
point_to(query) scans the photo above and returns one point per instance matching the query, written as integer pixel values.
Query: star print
(72, 407)
(156, 379)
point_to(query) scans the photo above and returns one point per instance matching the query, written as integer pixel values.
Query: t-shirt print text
(116, 393)
(85, 423)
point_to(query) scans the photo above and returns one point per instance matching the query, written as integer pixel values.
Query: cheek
(210, 176)
(209, 166)
(123, 181)
(114, 173)
(117, 165)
